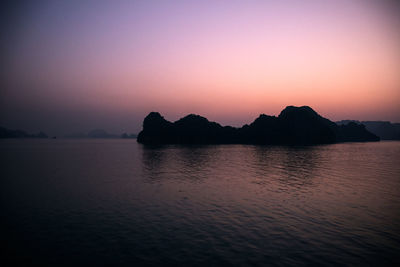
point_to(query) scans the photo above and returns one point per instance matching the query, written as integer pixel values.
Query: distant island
(7, 133)
(384, 129)
(99, 134)
(293, 126)
(96, 133)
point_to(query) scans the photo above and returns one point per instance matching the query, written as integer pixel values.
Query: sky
(73, 66)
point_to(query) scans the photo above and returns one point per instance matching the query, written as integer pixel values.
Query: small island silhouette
(7, 133)
(384, 129)
(293, 126)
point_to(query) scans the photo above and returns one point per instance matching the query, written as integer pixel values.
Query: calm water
(103, 202)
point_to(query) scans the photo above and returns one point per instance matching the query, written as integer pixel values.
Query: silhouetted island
(293, 126)
(384, 129)
(7, 133)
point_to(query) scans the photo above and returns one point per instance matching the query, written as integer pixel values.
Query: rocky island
(7, 133)
(293, 126)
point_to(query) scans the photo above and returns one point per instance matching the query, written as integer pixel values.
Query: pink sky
(76, 66)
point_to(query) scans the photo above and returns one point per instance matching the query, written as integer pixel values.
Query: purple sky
(72, 66)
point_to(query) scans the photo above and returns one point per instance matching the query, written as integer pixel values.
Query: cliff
(293, 126)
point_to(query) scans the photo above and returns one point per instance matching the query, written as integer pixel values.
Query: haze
(72, 66)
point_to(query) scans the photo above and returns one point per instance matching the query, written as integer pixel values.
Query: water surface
(116, 202)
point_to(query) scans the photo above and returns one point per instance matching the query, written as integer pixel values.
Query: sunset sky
(72, 66)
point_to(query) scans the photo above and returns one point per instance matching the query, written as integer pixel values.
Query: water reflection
(153, 158)
(300, 167)
(204, 205)
(176, 162)
(289, 168)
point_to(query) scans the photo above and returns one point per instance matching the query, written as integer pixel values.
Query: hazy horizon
(75, 66)
(86, 129)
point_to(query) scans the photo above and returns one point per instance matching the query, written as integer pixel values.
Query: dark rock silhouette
(344, 122)
(7, 133)
(384, 129)
(293, 126)
(355, 132)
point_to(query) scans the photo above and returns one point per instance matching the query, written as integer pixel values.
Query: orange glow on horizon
(223, 61)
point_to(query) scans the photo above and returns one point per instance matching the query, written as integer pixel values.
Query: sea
(114, 202)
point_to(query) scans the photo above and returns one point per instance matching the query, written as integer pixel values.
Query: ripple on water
(116, 202)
